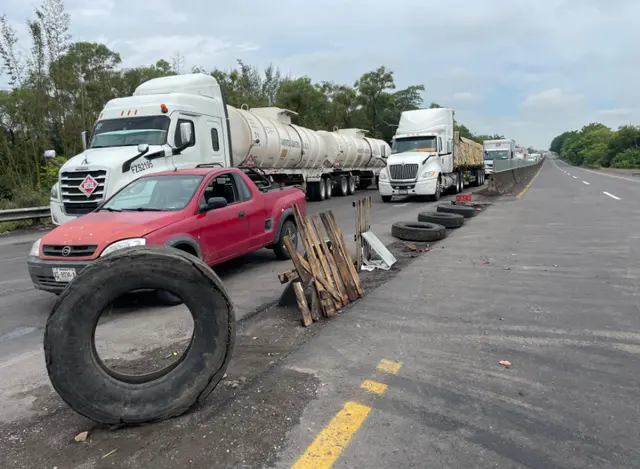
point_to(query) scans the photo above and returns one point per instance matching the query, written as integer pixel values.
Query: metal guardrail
(29, 213)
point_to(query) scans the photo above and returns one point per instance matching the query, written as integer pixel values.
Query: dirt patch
(243, 424)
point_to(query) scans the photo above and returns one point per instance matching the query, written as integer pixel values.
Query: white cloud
(525, 68)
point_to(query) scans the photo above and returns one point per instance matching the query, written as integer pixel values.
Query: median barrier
(502, 182)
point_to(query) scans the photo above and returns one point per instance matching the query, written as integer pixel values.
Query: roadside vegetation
(57, 88)
(598, 146)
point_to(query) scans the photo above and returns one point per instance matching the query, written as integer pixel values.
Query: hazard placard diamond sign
(88, 186)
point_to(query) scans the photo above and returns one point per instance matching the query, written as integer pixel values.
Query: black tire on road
(290, 229)
(342, 186)
(464, 210)
(351, 184)
(328, 182)
(448, 220)
(83, 381)
(418, 231)
(167, 298)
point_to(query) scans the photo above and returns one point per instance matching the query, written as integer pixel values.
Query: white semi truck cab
(496, 151)
(183, 122)
(428, 157)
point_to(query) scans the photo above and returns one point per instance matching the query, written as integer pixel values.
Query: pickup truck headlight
(383, 175)
(428, 174)
(35, 249)
(125, 243)
(55, 191)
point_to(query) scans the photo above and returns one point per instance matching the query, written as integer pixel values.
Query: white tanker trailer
(182, 121)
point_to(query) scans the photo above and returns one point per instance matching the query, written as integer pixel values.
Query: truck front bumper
(58, 217)
(41, 272)
(421, 187)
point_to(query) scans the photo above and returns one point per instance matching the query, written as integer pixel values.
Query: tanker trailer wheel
(83, 380)
(351, 184)
(464, 210)
(328, 182)
(448, 220)
(342, 186)
(418, 231)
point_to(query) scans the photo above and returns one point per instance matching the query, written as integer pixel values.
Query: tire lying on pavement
(448, 220)
(105, 396)
(418, 231)
(464, 210)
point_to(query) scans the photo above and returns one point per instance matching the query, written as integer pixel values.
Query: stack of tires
(432, 226)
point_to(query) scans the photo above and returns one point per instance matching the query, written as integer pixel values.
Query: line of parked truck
(175, 165)
(183, 121)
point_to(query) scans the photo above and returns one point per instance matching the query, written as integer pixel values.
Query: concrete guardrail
(502, 182)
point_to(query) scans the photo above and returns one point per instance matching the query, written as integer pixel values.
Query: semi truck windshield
(401, 145)
(130, 131)
(496, 155)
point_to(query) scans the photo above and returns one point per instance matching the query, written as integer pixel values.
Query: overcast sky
(527, 69)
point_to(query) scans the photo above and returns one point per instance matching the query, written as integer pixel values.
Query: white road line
(402, 205)
(600, 173)
(575, 177)
(611, 195)
(585, 182)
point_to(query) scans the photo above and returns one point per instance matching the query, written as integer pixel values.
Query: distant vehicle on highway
(429, 158)
(183, 121)
(497, 150)
(214, 214)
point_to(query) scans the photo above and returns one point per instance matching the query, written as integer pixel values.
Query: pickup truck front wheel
(289, 229)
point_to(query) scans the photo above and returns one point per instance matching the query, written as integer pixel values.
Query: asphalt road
(409, 376)
(252, 282)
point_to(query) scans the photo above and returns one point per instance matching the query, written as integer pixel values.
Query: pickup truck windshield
(496, 155)
(130, 131)
(155, 194)
(402, 145)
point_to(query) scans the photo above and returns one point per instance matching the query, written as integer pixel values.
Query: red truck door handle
(241, 215)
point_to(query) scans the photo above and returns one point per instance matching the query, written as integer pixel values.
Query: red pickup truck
(216, 214)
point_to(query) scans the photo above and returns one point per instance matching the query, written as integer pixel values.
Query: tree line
(598, 146)
(58, 87)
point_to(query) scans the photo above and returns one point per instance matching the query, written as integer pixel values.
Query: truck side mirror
(49, 154)
(143, 147)
(186, 135)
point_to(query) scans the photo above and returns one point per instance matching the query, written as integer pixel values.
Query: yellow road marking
(334, 438)
(373, 387)
(526, 188)
(388, 366)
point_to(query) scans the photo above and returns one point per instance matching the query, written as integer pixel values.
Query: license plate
(64, 275)
(403, 192)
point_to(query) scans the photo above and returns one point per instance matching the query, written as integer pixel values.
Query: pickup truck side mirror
(49, 154)
(214, 203)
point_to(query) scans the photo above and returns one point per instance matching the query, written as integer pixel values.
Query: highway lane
(251, 281)
(558, 297)
(612, 186)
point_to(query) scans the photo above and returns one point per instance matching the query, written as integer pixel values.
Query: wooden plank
(366, 249)
(316, 270)
(342, 257)
(330, 285)
(290, 276)
(340, 239)
(316, 307)
(335, 273)
(307, 320)
(358, 237)
(298, 263)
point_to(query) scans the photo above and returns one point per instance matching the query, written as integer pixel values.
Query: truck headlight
(55, 191)
(125, 243)
(35, 249)
(427, 174)
(383, 175)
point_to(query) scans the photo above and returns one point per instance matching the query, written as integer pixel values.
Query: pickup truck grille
(403, 171)
(77, 202)
(74, 251)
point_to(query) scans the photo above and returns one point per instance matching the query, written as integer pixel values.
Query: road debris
(326, 269)
(80, 437)
(505, 363)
